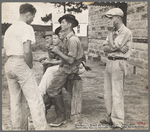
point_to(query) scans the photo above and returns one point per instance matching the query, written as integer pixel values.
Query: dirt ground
(135, 92)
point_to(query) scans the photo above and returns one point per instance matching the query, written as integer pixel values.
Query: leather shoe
(117, 128)
(106, 122)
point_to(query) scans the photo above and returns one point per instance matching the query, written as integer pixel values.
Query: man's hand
(55, 50)
(45, 62)
(107, 49)
(47, 46)
(124, 49)
(111, 29)
(41, 59)
(110, 26)
(31, 66)
(28, 53)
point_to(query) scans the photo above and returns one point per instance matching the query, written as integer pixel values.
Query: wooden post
(76, 102)
(134, 69)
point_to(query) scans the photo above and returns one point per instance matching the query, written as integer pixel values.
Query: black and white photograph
(74, 66)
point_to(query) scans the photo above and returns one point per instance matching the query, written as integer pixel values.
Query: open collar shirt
(72, 48)
(122, 37)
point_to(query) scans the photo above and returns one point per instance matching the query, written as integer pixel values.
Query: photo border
(83, 1)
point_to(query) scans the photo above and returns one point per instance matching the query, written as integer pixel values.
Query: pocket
(8, 70)
(123, 66)
(22, 64)
(22, 68)
(8, 66)
(126, 68)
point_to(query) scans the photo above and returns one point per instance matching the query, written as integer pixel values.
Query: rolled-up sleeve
(106, 42)
(122, 39)
(28, 35)
(73, 45)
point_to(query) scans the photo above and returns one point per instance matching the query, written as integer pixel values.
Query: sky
(10, 12)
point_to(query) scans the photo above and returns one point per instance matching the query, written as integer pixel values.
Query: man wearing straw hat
(48, 40)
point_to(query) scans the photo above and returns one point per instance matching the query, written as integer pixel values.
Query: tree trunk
(64, 7)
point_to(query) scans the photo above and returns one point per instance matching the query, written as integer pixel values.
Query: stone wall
(137, 22)
(97, 29)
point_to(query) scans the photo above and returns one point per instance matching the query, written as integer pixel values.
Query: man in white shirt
(18, 69)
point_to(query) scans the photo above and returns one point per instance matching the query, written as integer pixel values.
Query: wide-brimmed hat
(48, 33)
(69, 17)
(57, 30)
(114, 12)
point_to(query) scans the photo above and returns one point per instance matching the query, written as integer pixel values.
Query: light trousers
(47, 78)
(114, 76)
(49, 75)
(23, 86)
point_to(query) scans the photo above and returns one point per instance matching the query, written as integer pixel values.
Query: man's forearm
(70, 60)
(124, 49)
(111, 43)
(107, 49)
(29, 59)
(50, 54)
(53, 62)
(56, 62)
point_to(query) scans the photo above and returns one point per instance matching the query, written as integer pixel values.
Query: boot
(48, 102)
(60, 111)
(107, 120)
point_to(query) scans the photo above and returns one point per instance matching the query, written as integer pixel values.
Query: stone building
(135, 18)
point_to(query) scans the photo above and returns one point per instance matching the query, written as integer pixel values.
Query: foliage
(5, 26)
(77, 7)
(47, 18)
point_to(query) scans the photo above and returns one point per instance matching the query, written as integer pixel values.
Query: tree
(77, 7)
(47, 18)
(5, 26)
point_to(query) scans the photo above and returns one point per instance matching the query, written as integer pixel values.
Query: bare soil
(135, 93)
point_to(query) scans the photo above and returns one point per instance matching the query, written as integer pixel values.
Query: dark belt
(116, 58)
